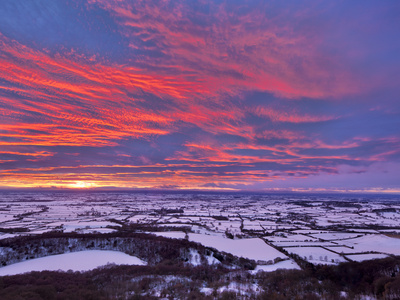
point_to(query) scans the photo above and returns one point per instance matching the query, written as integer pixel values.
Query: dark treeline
(119, 282)
(377, 279)
(169, 275)
(151, 248)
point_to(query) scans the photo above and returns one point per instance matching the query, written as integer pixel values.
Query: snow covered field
(286, 264)
(317, 255)
(326, 227)
(376, 242)
(76, 261)
(362, 257)
(254, 248)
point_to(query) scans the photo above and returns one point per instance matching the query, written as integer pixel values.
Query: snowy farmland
(77, 261)
(253, 248)
(317, 255)
(269, 229)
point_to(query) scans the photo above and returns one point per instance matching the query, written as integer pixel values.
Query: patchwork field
(272, 230)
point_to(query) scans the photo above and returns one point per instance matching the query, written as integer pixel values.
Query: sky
(200, 95)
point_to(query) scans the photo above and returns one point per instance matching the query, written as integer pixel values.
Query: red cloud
(230, 49)
(205, 62)
(78, 104)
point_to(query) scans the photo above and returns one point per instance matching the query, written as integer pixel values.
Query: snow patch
(76, 261)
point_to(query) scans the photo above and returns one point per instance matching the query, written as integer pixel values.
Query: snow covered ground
(332, 236)
(253, 248)
(76, 261)
(362, 257)
(286, 264)
(342, 224)
(317, 255)
(375, 242)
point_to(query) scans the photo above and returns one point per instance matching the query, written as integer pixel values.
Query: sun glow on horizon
(82, 185)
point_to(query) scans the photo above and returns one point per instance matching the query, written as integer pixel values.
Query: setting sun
(82, 185)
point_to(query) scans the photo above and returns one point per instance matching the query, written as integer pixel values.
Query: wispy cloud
(197, 94)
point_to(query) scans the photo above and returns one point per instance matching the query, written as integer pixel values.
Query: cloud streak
(197, 94)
